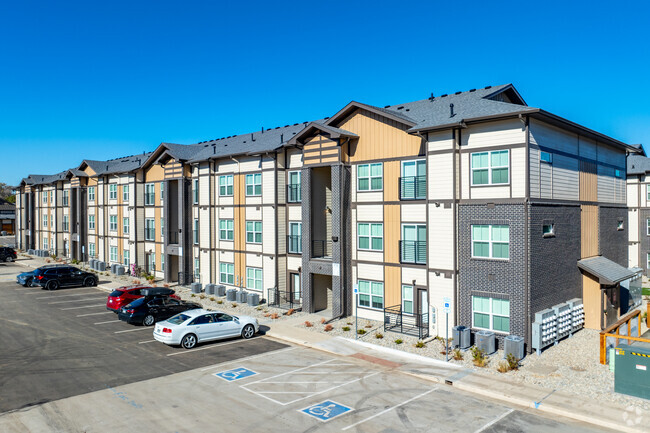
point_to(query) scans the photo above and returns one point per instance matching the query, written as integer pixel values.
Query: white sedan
(196, 326)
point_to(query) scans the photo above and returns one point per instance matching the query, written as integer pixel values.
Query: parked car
(197, 326)
(127, 294)
(7, 254)
(25, 279)
(149, 310)
(62, 276)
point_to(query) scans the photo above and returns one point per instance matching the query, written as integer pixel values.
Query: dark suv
(63, 276)
(7, 254)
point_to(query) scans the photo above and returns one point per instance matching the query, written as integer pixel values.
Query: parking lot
(63, 343)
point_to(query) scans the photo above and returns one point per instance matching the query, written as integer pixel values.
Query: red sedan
(127, 294)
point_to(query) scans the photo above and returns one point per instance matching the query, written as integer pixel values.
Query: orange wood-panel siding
(391, 180)
(154, 173)
(391, 233)
(392, 286)
(589, 231)
(592, 298)
(173, 170)
(329, 159)
(379, 137)
(323, 147)
(588, 181)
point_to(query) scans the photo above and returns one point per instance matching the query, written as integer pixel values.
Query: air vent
(386, 106)
(399, 108)
(444, 95)
(472, 90)
(458, 93)
(488, 87)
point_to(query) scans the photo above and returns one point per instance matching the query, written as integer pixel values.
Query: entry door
(294, 287)
(423, 307)
(612, 305)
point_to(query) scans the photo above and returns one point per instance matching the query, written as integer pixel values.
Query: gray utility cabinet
(632, 370)
(486, 341)
(462, 337)
(253, 299)
(564, 319)
(544, 329)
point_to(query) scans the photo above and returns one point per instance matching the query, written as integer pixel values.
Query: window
(648, 191)
(254, 232)
(149, 229)
(91, 193)
(490, 241)
(648, 227)
(112, 223)
(413, 246)
(546, 157)
(254, 278)
(371, 294)
(66, 194)
(195, 232)
(162, 192)
(125, 225)
(490, 168)
(227, 273)
(125, 193)
(413, 183)
(45, 247)
(112, 191)
(491, 313)
(294, 193)
(620, 225)
(113, 252)
(149, 194)
(370, 236)
(197, 269)
(151, 263)
(45, 221)
(225, 185)
(51, 197)
(91, 222)
(66, 223)
(91, 249)
(44, 197)
(254, 184)
(295, 238)
(648, 261)
(548, 230)
(195, 191)
(370, 177)
(407, 299)
(162, 262)
(162, 227)
(226, 230)
(127, 257)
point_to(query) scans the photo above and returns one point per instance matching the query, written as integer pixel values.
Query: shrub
(349, 323)
(478, 357)
(166, 286)
(219, 301)
(274, 316)
(47, 260)
(328, 328)
(290, 312)
(137, 282)
(379, 335)
(503, 367)
(420, 344)
(75, 261)
(399, 341)
(192, 295)
(346, 328)
(368, 325)
(458, 355)
(513, 362)
(201, 296)
(361, 331)
(212, 298)
(308, 324)
(258, 308)
(233, 305)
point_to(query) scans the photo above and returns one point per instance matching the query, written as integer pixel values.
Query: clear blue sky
(98, 80)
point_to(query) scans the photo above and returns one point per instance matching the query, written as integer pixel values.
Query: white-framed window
(151, 262)
(548, 229)
(254, 184)
(162, 262)
(51, 197)
(44, 197)
(195, 232)
(620, 225)
(225, 185)
(125, 193)
(113, 252)
(162, 227)
(91, 222)
(491, 313)
(162, 192)
(546, 157)
(127, 257)
(254, 232)
(370, 236)
(45, 221)
(112, 191)
(648, 226)
(91, 193)
(149, 194)
(149, 229)
(648, 261)
(197, 268)
(253, 278)
(371, 294)
(126, 225)
(227, 273)
(45, 245)
(112, 223)
(66, 223)
(407, 299)
(91, 249)
(294, 189)
(295, 238)
(647, 191)
(413, 182)
(413, 246)
(370, 177)
(226, 230)
(66, 195)
(195, 191)
(490, 168)
(491, 241)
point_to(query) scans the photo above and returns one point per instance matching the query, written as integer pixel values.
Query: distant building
(7, 217)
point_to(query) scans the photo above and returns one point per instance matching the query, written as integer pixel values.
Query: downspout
(529, 330)
(238, 202)
(275, 208)
(456, 164)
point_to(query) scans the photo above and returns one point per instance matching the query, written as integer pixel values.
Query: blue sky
(102, 80)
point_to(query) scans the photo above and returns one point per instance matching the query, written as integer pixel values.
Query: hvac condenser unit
(486, 341)
(514, 345)
(461, 337)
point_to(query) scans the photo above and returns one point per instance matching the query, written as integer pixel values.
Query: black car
(63, 276)
(7, 254)
(151, 309)
(25, 279)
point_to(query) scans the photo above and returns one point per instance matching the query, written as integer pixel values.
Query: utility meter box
(632, 370)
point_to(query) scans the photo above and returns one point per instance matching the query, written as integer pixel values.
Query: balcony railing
(411, 324)
(294, 193)
(294, 244)
(413, 252)
(413, 188)
(321, 249)
(173, 237)
(284, 299)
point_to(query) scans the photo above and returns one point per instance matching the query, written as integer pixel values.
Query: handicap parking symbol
(235, 374)
(326, 410)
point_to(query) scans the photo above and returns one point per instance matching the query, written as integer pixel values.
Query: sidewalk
(529, 396)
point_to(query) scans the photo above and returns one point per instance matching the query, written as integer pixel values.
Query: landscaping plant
(328, 328)
(379, 335)
(420, 344)
(479, 358)
(457, 355)
(399, 341)
(346, 328)
(361, 331)
(308, 324)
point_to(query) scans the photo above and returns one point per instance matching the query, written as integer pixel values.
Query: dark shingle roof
(607, 271)
(118, 165)
(638, 164)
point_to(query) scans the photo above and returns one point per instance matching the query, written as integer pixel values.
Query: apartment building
(473, 200)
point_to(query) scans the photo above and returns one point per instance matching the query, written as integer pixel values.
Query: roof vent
(472, 90)
(277, 127)
(458, 93)
(327, 118)
(488, 87)
(286, 126)
(281, 138)
(408, 109)
(451, 110)
(205, 145)
(431, 97)
(386, 106)
(262, 130)
(294, 124)
(252, 137)
(399, 108)
(443, 95)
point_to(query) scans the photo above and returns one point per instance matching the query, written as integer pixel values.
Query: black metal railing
(413, 188)
(173, 237)
(294, 193)
(413, 252)
(284, 299)
(321, 248)
(415, 324)
(186, 278)
(294, 244)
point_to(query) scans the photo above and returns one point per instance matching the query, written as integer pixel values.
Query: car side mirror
(236, 320)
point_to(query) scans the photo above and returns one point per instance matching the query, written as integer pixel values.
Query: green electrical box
(632, 370)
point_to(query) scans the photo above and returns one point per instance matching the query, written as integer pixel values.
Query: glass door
(295, 287)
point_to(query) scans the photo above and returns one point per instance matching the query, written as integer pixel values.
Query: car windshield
(116, 293)
(178, 319)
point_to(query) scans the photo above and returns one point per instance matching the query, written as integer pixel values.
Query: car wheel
(189, 341)
(148, 320)
(248, 331)
(89, 281)
(27, 283)
(9, 259)
(52, 285)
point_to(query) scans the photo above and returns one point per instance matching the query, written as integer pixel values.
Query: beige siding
(414, 213)
(440, 177)
(370, 213)
(440, 244)
(499, 133)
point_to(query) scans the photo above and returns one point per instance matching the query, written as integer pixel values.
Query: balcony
(173, 237)
(294, 193)
(294, 244)
(413, 188)
(413, 252)
(414, 324)
(321, 249)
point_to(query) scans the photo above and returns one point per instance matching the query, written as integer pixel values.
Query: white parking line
(66, 296)
(110, 321)
(208, 347)
(132, 330)
(74, 300)
(390, 408)
(221, 364)
(145, 342)
(85, 306)
(494, 421)
(93, 314)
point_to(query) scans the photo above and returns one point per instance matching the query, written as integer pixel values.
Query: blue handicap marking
(326, 410)
(235, 374)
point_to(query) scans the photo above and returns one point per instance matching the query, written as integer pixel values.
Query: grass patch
(346, 328)
(399, 341)
(361, 331)
(645, 291)
(379, 335)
